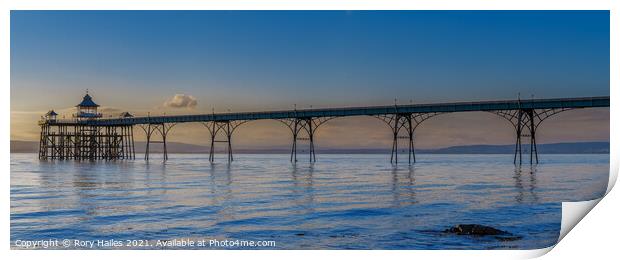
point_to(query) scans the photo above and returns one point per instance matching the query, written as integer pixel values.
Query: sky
(190, 62)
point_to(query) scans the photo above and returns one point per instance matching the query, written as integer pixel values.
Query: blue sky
(261, 60)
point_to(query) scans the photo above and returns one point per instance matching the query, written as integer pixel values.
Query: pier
(89, 136)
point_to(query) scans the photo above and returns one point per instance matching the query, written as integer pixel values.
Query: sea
(264, 201)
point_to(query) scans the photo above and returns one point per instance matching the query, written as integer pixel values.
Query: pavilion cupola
(87, 108)
(51, 115)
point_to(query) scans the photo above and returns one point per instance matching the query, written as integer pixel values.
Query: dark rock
(475, 229)
(480, 230)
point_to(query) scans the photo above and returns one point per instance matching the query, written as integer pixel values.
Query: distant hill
(582, 147)
(24, 147)
(555, 148)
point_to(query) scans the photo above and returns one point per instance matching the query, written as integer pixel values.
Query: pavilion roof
(87, 101)
(126, 114)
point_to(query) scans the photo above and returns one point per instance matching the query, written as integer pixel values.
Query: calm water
(340, 202)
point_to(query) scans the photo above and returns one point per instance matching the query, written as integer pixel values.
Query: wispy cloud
(181, 101)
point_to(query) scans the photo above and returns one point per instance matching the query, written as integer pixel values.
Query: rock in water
(475, 229)
(480, 230)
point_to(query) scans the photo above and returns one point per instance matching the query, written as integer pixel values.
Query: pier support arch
(163, 129)
(309, 125)
(526, 121)
(227, 128)
(404, 122)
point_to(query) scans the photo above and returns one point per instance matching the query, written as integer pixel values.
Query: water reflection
(303, 188)
(222, 191)
(403, 191)
(525, 182)
(82, 183)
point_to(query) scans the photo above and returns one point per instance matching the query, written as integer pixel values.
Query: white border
(298, 5)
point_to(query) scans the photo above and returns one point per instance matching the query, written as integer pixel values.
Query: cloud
(109, 110)
(181, 101)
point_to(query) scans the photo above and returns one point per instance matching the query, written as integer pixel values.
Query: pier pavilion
(79, 139)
